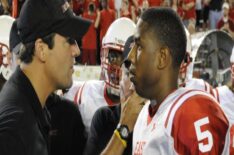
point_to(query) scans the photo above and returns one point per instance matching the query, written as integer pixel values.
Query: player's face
(59, 67)
(115, 59)
(143, 57)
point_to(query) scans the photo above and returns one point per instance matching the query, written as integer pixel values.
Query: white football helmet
(112, 51)
(186, 68)
(6, 23)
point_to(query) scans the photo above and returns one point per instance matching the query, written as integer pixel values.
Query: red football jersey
(197, 129)
(187, 122)
(112, 4)
(191, 13)
(231, 13)
(154, 3)
(89, 40)
(107, 17)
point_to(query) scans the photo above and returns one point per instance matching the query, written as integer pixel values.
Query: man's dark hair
(168, 30)
(27, 50)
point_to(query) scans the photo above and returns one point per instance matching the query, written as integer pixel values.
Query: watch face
(124, 132)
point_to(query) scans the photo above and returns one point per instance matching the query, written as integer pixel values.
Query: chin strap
(184, 69)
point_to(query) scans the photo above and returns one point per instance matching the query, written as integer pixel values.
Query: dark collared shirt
(23, 124)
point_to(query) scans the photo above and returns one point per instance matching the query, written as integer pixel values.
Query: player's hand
(130, 110)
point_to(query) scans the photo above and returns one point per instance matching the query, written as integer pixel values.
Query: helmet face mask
(186, 68)
(112, 52)
(111, 68)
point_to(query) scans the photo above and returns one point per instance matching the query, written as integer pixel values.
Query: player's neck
(166, 86)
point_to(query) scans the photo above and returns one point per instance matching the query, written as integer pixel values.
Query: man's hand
(130, 110)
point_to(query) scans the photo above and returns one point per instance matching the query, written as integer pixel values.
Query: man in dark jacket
(67, 133)
(47, 29)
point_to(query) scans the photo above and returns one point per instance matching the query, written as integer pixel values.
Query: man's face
(104, 3)
(59, 67)
(143, 57)
(115, 59)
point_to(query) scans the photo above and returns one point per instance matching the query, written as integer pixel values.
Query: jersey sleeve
(199, 127)
(72, 92)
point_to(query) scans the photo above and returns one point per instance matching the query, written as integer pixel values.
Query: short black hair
(168, 29)
(27, 50)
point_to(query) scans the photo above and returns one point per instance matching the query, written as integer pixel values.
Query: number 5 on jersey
(202, 135)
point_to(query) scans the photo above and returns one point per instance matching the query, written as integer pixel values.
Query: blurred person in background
(128, 10)
(104, 18)
(226, 23)
(231, 9)
(5, 7)
(215, 12)
(89, 41)
(188, 7)
(176, 5)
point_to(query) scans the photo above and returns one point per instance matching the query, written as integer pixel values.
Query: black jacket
(67, 135)
(23, 125)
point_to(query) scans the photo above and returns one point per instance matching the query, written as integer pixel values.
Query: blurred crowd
(197, 15)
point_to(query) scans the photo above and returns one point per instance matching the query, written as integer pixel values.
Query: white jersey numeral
(201, 135)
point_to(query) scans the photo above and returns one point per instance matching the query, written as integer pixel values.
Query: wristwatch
(123, 131)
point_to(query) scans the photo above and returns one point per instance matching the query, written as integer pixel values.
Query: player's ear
(164, 58)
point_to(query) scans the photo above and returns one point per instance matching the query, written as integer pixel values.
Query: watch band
(124, 142)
